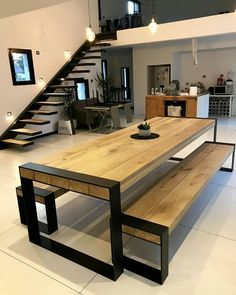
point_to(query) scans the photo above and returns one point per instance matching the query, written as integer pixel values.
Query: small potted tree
(67, 125)
(144, 129)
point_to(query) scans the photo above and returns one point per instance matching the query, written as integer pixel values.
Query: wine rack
(220, 105)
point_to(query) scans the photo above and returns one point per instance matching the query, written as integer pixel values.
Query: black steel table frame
(110, 271)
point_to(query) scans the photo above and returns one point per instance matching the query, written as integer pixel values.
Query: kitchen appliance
(224, 89)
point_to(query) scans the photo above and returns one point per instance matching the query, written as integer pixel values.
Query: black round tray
(152, 136)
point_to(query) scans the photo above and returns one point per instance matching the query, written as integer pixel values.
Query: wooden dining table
(105, 168)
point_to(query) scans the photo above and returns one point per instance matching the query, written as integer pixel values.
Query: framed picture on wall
(21, 64)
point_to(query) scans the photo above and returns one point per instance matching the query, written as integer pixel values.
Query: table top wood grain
(118, 157)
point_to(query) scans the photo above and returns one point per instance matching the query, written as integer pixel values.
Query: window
(104, 69)
(82, 89)
(125, 83)
(134, 7)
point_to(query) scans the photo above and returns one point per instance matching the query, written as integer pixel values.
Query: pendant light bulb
(90, 34)
(153, 26)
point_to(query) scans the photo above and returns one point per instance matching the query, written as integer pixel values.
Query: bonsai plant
(106, 86)
(144, 129)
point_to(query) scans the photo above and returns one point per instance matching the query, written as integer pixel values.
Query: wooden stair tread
(86, 64)
(96, 50)
(79, 71)
(66, 79)
(17, 142)
(35, 121)
(62, 86)
(26, 131)
(42, 112)
(56, 94)
(51, 103)
(91, 57)
(167, 201)
(102, 44)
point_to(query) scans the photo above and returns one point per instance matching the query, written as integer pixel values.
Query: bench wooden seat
(44, 194)
(165, 203)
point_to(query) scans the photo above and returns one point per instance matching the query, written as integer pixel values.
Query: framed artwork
(21, 64)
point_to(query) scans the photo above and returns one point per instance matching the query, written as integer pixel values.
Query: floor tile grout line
(38, 270)
(207, 232)
(130, 238)
(88, 284)
(220, 184)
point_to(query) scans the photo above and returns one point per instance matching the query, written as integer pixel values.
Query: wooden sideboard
(195, 106)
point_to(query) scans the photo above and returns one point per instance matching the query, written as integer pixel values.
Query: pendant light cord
(89, 14)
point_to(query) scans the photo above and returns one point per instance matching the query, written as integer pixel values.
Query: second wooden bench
(155, 214)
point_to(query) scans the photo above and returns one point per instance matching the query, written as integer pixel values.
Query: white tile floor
(202, 248)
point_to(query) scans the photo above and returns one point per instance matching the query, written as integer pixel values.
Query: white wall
(7, 8)
(216, 55)
(50, 30)
(199, 27)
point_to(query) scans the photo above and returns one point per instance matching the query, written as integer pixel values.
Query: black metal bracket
(110, 271)
(149, 272)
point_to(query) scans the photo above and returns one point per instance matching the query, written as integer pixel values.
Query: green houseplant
(144, 129)
(106, 85)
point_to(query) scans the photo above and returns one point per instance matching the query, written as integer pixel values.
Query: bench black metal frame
(50, 209)
(146, 271)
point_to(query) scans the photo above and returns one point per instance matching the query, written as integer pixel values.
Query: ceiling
(13, 7)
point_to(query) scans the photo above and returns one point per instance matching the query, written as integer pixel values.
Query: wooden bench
(44, 194)
(154, 215)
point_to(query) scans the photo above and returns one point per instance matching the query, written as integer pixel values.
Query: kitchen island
(192, 106)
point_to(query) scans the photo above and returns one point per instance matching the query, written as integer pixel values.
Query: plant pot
(144, 133)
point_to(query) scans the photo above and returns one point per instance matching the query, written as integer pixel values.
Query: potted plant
(67, 125)
(106, 86)
(144, 129)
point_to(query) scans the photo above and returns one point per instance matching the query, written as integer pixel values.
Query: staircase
(53, 94)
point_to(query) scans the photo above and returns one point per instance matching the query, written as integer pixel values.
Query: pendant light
(89, 32)
(153, 25)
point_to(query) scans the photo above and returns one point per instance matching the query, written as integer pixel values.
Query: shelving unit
(220, 105)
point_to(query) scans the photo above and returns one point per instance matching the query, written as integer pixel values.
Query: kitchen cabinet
(194, 106)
